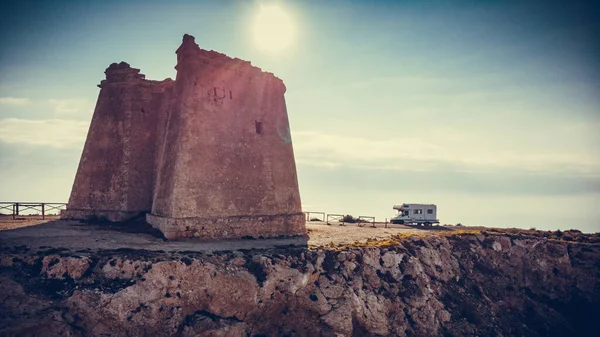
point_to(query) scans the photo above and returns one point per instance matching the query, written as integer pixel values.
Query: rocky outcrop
(456, 285)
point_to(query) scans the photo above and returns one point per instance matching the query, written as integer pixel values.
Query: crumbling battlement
(208, 155)
(122, 72)
(211, 58)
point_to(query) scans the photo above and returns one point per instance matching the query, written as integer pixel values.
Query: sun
(273, 29)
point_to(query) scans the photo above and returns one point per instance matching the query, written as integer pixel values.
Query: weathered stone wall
(227, 227)
(228, 156)
(116, 174)
(461, 285)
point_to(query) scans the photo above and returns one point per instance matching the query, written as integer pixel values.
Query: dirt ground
(36, 232)
(7, 221)
(321, 234)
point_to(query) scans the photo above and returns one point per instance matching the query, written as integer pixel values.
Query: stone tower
(208, 155)
(115, 178)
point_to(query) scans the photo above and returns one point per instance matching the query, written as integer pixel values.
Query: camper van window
(418, 211)
(429, 211)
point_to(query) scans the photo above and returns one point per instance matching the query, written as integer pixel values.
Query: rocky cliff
(486, 284)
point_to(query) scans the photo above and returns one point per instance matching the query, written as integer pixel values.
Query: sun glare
(273, 29)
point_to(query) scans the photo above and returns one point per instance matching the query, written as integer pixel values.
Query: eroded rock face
(457, 285)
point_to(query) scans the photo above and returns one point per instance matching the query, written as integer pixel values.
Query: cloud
(459, 153)
(49, 132)
(350, 180)
(70, 106)
(14, 101)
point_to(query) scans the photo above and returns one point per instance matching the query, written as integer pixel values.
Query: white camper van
(420, 214)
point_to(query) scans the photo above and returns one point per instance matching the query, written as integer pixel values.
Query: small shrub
(315, 219)
(348, 218)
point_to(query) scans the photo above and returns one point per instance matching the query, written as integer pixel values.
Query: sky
(489, 109)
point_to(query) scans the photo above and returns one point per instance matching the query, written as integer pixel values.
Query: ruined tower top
(122, 72)
(192, 58)
(189, 38)
(188, 51)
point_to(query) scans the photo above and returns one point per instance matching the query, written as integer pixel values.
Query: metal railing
(16, 208)
(329, 217)
(361, 220)
(309, 216)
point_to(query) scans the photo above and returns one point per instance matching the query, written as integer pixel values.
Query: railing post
(43, 213)
(13, 211)
(17, 209)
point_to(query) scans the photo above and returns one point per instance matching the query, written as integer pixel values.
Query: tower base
(90, 214)
(233, 227)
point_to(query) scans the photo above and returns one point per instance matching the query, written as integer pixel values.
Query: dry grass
(393, 240)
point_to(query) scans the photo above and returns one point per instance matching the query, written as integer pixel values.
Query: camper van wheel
(427, 224)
